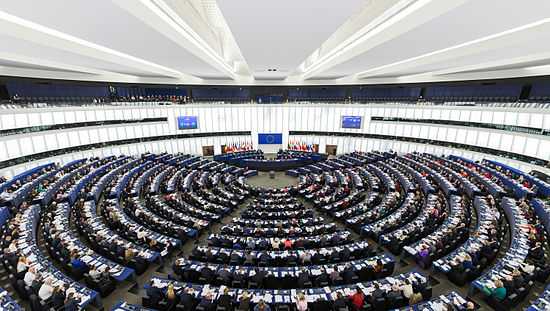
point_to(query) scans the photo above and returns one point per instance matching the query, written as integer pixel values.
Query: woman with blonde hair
(244, 302)
(301, 302)
(171, 294)
(498, 292)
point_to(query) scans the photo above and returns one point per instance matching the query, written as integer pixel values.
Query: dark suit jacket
(188, 301)
(225, 301)
(207, 304)
(71, 305)
(58, 299)
(154, 293)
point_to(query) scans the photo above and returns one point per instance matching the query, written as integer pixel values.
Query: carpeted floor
(281, 180)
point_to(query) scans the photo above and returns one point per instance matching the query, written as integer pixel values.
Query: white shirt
(141, 234)
(29, 278)
(21, 266)
(407, 290)
(528, 268)
(45, 292)
(94, 274)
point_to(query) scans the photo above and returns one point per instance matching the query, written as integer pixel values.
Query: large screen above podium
(270, 138)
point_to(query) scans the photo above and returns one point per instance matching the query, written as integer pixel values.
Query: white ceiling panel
(280, 34)
(470, 21)
(105, 23)
(306, 41)
(19, 46)
(514, 50)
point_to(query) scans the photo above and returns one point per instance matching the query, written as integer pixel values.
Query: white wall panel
(26, 146)
(51, 141)
(519, 144)
(3, 150)
(13, 148)
(84, 137)
(8, 121)
(524, 119)
(464, 115)
(511, 118)
(499, 117)
(475, 116)
(506, 142)
(282, 118)
(471, 138)
(483, 138)
(47, 118)
(494, 142)
(63, 140)
(22, 120)
(425, 131)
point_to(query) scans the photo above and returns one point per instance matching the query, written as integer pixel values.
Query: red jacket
(357, 299)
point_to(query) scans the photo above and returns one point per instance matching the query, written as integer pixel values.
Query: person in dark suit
(519, 280)
(225, 275)
(187, 299)
(508, 283)
(71, 303)
(249, 259)
(154, 293)
(348, 274)
(321, 279)
(207, 274)
(58, 297)
(303, 278)
(339, 303)
(258, 277)
(240, 276)
(395, 293)
(235, 258)
(207, 302)
(487, 249)
(264, 258)
(345, 254)
(377, 293)
(537, 252)
(225, 300)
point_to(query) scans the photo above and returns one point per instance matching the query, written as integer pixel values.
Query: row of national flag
(238, 146)
(300, 146)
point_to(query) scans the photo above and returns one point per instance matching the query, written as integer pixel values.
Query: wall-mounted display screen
(270, 139)
(351, 122)
(188, 123)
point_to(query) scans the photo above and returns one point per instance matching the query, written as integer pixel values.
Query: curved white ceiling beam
(56, 66)
(393, 22)
(461, 76)
(512, 63)
(162, 17)
(26, 30)
(500, 40)
(229, 47)
(78, 76)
